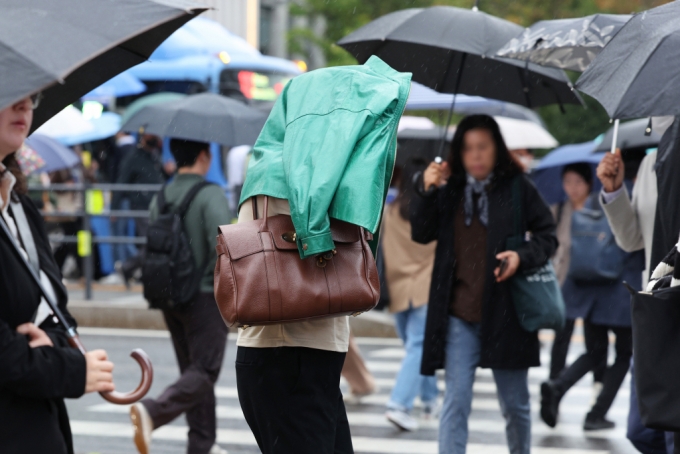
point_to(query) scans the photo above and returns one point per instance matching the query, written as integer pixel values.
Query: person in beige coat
(408, 272)
(632, 221)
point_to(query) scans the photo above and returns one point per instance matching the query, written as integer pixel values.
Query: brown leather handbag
(261, 280)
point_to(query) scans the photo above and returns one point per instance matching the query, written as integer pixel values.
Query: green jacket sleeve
(314, 164)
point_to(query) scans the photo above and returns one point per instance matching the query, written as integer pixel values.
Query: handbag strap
(25, 235)
(253, 200)
(517, 205)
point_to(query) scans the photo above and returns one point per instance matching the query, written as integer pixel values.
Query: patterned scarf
(477, 187)
(667, 273)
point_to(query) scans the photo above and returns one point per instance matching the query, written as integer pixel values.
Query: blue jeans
(463, 346)
(410, 326)
(122, 227)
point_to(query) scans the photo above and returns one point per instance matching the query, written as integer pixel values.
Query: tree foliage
(344, 16)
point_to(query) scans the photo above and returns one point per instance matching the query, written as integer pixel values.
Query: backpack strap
(160, 200)
(184, 206)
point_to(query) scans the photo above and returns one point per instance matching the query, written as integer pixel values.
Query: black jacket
(34, 381)
(139, 167)
(505, 344)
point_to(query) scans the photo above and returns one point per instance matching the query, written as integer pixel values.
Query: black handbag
(656, 353)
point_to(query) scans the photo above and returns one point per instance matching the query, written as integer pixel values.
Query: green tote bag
(536, 293)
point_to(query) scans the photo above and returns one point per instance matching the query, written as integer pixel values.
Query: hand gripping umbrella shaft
(74, 340)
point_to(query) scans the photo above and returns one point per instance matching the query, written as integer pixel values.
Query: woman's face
(479, 153)
(575, 186)
(15, 122)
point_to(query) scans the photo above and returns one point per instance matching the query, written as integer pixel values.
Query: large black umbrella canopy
(638, 73)
(206, 117)
(565, 43)
(452, 50)
(66, 48)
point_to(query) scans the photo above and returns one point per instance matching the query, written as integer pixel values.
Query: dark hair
(186, 152)
(580, 168)
(406, 186)
(505, 168)
(12, 165)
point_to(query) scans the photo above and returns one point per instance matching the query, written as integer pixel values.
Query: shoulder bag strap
(26, 235)
(517, 205)
(160, 200)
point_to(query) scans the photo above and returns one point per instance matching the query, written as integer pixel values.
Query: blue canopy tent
(548, 174)
(124, 84)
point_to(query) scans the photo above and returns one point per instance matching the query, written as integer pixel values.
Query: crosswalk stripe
(372, 419)
(361, 444)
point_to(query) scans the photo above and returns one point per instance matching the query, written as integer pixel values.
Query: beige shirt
(408, 265)
(325, 334)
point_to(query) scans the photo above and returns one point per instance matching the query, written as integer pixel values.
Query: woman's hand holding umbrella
(611, 171)
(99, 369)
(436, 175)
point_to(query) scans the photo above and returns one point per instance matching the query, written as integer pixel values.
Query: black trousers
(199, 337)
(560, 349)
(291, 399)
(597, 345)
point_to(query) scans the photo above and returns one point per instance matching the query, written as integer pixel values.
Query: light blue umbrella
(548, 174)
(107, 125)
(55, 155)
(424, 98)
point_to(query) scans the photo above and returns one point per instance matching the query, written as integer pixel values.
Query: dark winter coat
(505, 344)
(139, 167)
(34, 381)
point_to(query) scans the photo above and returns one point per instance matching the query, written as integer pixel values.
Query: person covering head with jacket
(38, 368)
(327, 150)
(465, 204)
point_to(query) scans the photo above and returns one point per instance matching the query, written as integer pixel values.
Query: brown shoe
(143, 425)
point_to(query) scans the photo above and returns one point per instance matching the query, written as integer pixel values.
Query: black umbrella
(637, 73)
(452, 50)
(206, 117)
(632, 134)
(67, 48)
(565, 43)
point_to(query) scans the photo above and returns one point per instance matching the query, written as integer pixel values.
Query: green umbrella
(149, 100)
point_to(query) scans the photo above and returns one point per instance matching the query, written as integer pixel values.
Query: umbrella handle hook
(131, 397)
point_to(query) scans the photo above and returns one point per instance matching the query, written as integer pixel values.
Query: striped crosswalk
(98, 426)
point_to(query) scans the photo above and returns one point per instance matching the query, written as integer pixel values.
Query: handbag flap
(242, 239)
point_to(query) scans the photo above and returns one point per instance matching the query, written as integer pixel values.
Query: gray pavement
(103, 428)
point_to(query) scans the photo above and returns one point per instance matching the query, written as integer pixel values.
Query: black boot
(550, 402)
(596, 422)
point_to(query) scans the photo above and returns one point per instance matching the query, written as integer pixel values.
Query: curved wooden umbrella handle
(119, 398)
(131, 397)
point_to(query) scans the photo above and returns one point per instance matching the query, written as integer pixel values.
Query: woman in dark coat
(37, 367)
(471, 321)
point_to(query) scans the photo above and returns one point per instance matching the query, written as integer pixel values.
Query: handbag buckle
(290, 237)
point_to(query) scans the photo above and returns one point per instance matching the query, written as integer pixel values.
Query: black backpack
(169, 273)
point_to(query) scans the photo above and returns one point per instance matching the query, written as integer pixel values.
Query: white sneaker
(597, 389)
(402, 420)
(143, 425)
(432, 409)
(217, 450)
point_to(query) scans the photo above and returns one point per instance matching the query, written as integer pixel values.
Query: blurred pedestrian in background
(360, 380)
(38, 369)
(124, 146)
(141, 166)
(471, 320)
(408, 272)
(601, 301)
(577, 181)
(198, 333)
